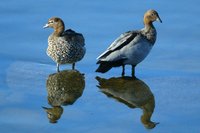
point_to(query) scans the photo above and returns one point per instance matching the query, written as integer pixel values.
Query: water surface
(170, 74)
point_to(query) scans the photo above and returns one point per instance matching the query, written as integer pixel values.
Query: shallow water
(170, 74)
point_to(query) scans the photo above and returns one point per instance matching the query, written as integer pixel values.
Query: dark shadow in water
(63, 88)
(132, 92)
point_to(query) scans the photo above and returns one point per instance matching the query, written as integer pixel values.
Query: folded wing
(73, 37)
(123, 40)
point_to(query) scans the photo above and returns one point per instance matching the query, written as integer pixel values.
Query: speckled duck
(64, 47)
(131, 47)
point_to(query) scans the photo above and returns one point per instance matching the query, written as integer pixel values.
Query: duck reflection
(53, 113)
(63, 88)
(132, 92)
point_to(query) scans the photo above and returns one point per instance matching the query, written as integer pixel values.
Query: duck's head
(56, 23)
(150, 16)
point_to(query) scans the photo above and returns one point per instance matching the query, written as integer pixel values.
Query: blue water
(171, 71)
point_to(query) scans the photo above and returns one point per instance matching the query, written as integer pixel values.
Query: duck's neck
(59, 29)
(148, 25)
(149, 31)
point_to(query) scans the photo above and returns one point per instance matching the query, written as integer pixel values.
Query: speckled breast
(64, 52)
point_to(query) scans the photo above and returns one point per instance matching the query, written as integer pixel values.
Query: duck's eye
(152, 14)
(50, 22)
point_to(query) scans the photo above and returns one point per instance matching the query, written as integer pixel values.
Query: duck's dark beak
(158, 19)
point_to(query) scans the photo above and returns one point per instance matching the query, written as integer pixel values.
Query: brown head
(57, 24)
(150, 16)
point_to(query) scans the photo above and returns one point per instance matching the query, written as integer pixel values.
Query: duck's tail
(107, 65)
(104, 66)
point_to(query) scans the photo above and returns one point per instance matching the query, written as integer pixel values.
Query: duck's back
(72, 37)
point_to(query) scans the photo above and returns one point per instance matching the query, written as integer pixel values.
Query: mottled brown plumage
(64, 47)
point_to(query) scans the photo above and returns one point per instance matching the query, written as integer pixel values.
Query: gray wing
(120, 42)
(73, 37)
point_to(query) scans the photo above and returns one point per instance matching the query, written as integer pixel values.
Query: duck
(64, 46)
(131, 47)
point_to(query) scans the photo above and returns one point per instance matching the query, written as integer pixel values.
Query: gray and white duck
(64, 46)
(131, 47)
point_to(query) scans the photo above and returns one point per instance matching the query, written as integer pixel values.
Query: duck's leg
(123, 70)
(57, 67)
(73, 66)
(133, 71)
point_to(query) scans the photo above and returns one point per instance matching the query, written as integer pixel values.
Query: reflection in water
(63, 88)
(54, 113)
(132, 92)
